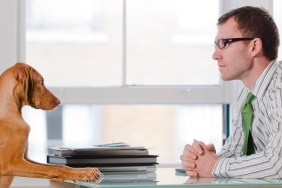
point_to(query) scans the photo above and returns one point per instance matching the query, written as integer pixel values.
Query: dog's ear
(24, 81)
(19, 76)
(21, 72)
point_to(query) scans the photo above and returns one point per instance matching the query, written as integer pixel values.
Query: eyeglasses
(221, 43)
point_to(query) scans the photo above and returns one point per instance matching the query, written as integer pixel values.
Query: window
(165, 129)
(77, 39)
(138, 71)
(161, 43)
(167, 45)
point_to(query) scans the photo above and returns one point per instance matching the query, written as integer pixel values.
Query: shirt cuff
(221, 167)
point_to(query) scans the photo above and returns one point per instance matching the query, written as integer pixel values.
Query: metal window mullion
(124, 47)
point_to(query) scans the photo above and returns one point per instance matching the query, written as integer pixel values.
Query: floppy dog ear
(21, 72)
(19, 76)
(23, 78)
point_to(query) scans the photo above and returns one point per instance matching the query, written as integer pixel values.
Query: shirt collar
(264, 79)
(261, 83)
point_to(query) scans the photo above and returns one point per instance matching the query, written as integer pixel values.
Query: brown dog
(22, 85)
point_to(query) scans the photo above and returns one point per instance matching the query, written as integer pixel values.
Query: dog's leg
(53, 172)
(6, 181)
(59, 166)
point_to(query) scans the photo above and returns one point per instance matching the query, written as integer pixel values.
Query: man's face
(234, 60)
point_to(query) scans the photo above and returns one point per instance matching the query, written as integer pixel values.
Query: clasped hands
(198, 159)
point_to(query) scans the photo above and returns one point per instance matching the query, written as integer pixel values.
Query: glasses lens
(220, 43)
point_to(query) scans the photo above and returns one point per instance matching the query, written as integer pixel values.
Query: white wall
(8, 33)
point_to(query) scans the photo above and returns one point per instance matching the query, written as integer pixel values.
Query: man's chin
(224, 78)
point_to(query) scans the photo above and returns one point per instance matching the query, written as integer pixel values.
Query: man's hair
(255, 22)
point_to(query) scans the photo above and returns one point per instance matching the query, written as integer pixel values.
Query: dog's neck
(9, 106)
(8, 102)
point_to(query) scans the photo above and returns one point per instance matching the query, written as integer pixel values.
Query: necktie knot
(250, 98)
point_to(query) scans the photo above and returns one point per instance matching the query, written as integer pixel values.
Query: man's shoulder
(276, 70)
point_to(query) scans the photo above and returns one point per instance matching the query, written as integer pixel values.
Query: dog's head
(30, 88)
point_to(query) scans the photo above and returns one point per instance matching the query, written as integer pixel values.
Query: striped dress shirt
(266, 131)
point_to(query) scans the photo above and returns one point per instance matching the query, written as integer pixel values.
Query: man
(246, 48)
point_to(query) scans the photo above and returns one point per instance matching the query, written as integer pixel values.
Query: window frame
(12, 50)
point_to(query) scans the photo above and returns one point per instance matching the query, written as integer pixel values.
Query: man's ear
(257, 47)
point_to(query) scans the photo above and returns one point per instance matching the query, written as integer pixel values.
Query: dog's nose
(58, 101)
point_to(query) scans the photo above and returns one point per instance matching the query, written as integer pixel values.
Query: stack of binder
(119, 162)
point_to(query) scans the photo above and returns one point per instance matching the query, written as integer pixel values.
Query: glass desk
(167, 177)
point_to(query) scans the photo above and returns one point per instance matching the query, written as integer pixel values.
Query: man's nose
(216, 55)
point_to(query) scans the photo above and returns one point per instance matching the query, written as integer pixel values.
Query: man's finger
(198, 146)
(192, 173)
(188, 165)
(211, 147)
(190, 152)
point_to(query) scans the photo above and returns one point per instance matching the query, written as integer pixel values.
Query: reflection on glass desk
(168, 177)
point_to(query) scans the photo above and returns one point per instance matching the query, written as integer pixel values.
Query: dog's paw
(84, 174)
(92, 174)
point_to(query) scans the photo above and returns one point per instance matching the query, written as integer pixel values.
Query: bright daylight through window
(126, 44)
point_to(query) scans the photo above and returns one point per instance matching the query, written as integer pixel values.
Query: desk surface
(167, 177)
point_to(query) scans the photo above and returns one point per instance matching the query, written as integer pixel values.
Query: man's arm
(231, 163)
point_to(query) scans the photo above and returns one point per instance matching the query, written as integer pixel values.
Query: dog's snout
(52, 104)
(58, 102)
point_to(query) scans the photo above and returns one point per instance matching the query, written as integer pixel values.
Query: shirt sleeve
(232, 146)
(263, 164)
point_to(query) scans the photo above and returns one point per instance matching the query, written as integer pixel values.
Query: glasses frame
(221, 43)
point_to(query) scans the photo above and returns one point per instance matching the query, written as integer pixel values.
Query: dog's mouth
(48, 106)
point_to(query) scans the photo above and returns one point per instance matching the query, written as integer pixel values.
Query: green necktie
(247, 117)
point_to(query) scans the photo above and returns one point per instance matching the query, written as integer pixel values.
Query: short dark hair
(255, 22)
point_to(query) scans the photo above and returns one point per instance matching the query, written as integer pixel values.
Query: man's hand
(205, 163)
(200, 146)
(188, 159)
(193, 159)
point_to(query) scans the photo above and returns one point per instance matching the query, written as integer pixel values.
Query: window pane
(75, 42)
(170, 42)
(164, 128)
(277, 14)
(79, 42)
